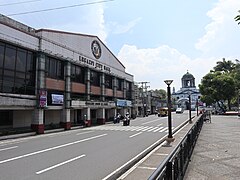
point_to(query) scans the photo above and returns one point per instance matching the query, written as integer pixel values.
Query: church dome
(188, 76)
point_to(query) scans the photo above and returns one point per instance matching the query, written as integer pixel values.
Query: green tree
(224, 66)
(217, 86)
(161, 93)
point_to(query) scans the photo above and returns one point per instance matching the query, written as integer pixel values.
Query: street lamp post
(170, 137)
(190, 116)
(197, 106)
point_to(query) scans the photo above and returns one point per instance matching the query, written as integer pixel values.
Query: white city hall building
(50, 77)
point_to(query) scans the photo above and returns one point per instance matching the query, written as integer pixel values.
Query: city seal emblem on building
(96, 49)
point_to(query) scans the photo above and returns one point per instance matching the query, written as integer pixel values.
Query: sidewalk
(217, 152)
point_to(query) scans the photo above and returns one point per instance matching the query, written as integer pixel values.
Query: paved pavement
(217, 152)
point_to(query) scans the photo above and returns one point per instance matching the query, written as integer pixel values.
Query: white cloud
(161, 63)
(123, 28)
(90, 22)
(222, 31)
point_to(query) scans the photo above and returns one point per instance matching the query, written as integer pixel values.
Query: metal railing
(175, 165)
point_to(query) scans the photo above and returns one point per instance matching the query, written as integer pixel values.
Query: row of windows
(17, 70)
(54, 68)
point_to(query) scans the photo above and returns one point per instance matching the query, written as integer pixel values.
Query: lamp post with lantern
(189, 99)
(170, 137)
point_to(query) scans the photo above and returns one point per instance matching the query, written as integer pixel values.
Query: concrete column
(66, 121)
(37, 120)
(124, 89)
(102, 81)
(88, 84)
(114, 87)
(101, 116)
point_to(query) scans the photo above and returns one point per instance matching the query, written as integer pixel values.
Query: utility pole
(144, 100)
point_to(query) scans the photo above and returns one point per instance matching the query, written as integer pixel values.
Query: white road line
(150, 121)
(152, 129)
(50, 149)
(8, 148)
(84, 132)
(164, 129)
(157, 129)
(60, 164)
(160, 124)
(167, 130)
(147, 128)
(145, 167)
(135, 134)
(134, 128)
(139, 129)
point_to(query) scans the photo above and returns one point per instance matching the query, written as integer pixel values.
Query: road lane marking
(60, 164)
(50, 149)
(135, 134)
(8, 148)
(134, 158)
(164, 129)
(152, 129)
(160, 124)
(157, 129)
(84, 132)
(145, 167)
(147, 128)
(150, 122)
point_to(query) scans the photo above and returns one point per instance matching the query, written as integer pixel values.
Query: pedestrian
(118, 117)
(127, 118)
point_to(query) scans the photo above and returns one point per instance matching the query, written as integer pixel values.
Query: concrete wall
(22, 118)
(53, 116)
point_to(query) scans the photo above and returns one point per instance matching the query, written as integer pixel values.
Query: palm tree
(225, 66)
(237, 18)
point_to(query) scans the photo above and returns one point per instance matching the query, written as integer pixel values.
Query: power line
(22, 2)
(57, 8)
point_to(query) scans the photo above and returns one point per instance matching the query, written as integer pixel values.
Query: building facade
(188, 89)
(50, 77)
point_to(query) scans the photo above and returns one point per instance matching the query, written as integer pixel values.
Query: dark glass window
(108, 81)
(119, 84)
(21, 60)
(54, 68)
(95, 78)
(17, 67)
(30, 62)
(77, 74)
(1, 55)
(10, 56)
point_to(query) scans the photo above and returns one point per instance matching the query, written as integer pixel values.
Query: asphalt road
(90, 153)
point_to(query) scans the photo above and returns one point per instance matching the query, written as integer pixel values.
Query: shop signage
(57, 99)
(43, 98)
(124, 103)
(94, 64)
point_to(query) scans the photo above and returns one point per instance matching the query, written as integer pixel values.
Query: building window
(17, 70)
(119, 84)
(54, 68)
(108, 82)
(77, 74)
(95, 78)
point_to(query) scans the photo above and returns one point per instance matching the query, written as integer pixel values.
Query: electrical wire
(22, 2)
(58, 8)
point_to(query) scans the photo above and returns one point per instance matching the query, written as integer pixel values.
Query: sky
(155, 40)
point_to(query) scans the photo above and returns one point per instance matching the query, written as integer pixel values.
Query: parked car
(179, 110)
